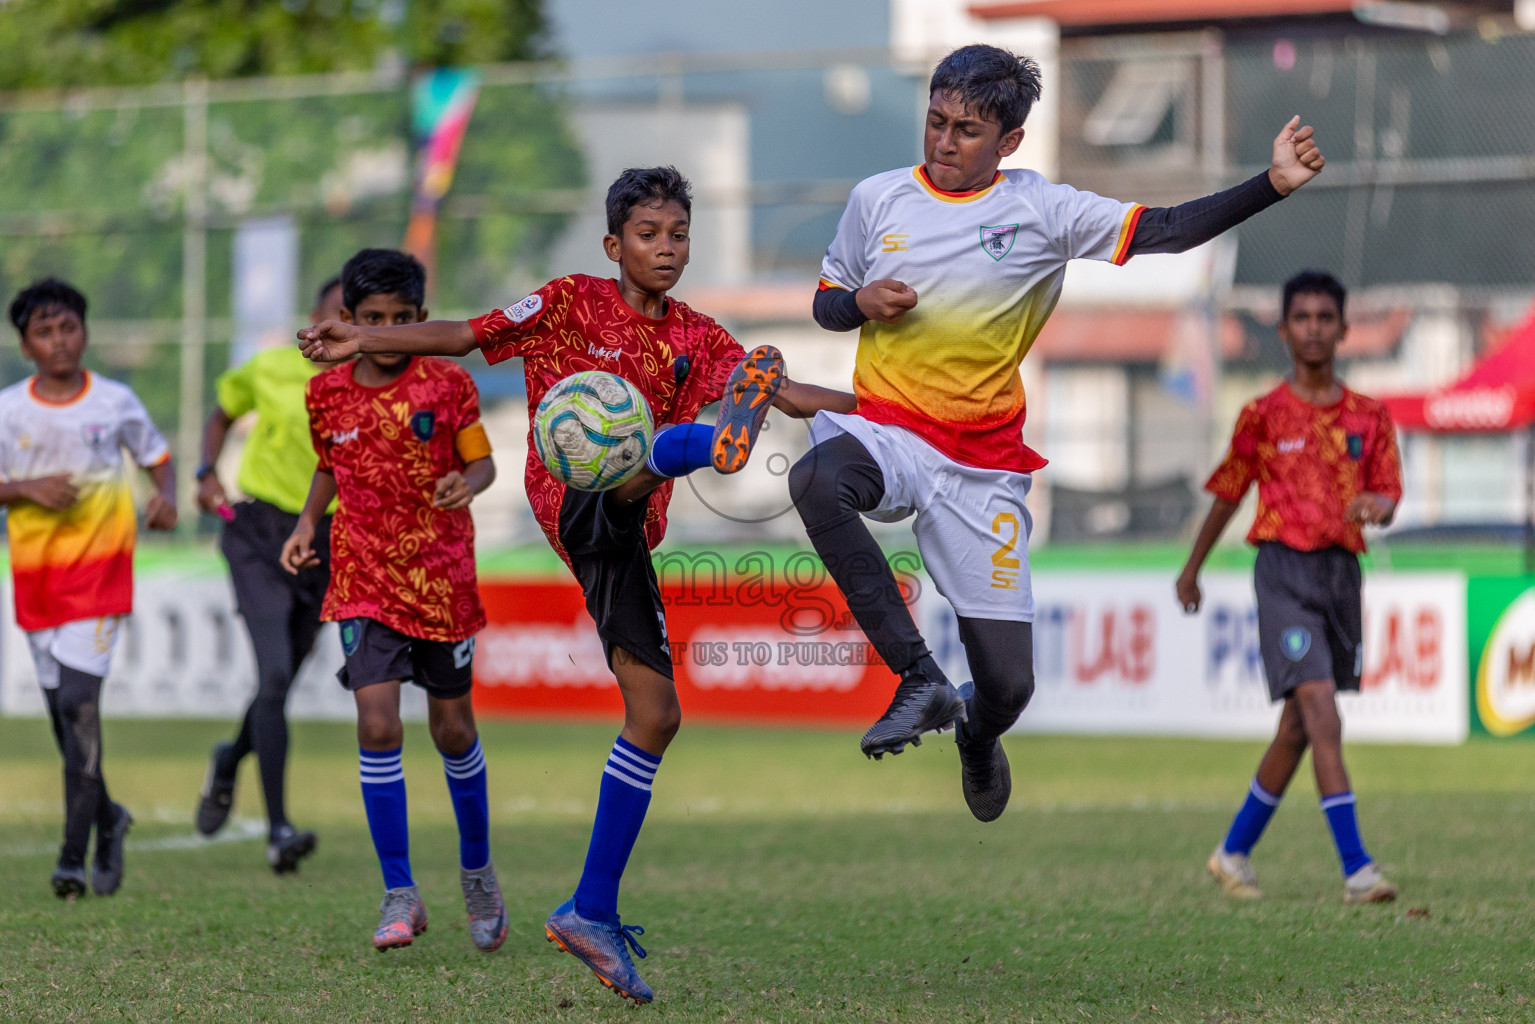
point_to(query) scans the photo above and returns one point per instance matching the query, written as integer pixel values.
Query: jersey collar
(71, 400)
(920, 173)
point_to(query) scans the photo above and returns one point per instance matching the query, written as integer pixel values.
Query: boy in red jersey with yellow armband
(680, 360)
(401, 446)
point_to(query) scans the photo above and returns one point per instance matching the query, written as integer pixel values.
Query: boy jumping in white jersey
(950, 269)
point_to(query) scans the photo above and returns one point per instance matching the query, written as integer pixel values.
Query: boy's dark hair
(41, 296)
(646, 186)
(319, 296)
(1313, 282)
(995, 84)
(382, 272)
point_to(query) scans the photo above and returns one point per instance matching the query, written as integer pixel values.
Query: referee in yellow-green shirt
(281, 611)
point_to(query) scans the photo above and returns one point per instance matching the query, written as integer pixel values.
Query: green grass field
(782, 877)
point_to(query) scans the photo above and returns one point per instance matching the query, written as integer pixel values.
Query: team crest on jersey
(998, 241)
(422, 424)
(95, 435)
(1355, 446)
(517, 312)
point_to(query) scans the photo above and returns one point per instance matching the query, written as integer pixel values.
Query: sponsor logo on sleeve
(517, 312)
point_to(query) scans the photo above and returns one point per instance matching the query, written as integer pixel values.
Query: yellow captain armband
(472, 442)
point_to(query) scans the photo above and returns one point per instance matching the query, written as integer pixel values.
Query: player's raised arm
(332, 340)
(1296, 160)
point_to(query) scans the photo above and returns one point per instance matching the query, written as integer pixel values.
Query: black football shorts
(611, 559)
(376, 653)
(1310, 622)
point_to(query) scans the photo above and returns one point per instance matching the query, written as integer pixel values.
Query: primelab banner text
(1500, 619)
(771, 641)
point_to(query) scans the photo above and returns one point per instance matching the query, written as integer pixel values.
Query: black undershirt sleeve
(836, 309)
(1180, 228)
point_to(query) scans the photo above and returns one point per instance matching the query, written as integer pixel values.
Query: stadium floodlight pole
(194, 292)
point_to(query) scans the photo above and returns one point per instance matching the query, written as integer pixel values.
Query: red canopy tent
(1496, 396)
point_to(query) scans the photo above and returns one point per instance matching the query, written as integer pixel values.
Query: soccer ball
(593, 430)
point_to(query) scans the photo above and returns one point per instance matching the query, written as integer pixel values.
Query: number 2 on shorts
(1005, 575)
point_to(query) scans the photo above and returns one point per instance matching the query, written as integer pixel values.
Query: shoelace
(907, 691)
(481, 898)
(396, 909)
(627, 934)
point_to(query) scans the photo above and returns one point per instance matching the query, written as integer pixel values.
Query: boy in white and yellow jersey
(71, 528)
(951, 269)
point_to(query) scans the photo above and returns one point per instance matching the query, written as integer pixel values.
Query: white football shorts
(972, 526)
(84, 645)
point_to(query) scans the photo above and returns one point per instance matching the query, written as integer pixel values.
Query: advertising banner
(1114, 654)
(1501, 632)
(755, 640)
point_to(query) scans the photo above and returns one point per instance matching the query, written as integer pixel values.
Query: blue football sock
(1251, 820)
(466, 787)
(383, 797)
(621, 805)
(678, 450)
(1339, 809)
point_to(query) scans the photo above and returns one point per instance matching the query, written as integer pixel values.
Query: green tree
(97, 196)
(47, 44)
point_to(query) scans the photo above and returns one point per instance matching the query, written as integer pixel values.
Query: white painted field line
(241, 830)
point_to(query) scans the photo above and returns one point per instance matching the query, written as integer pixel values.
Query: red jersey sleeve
(1383, 474)
(1239, 468)
(515, 330)
(317, 432)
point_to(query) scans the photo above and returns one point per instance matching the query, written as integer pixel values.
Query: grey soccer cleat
(1368, 885)
(402, 916)
(921, 704)
(1234, 871)
(487, 910)
(984, 774)
(107, 868)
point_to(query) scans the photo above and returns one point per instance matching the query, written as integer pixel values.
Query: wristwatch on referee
(204, 470)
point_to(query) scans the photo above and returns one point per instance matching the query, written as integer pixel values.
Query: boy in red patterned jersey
(1325, 461)
(401, 445)
(681, 361)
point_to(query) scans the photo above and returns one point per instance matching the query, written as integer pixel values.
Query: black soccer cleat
(107, 868)
(984, 774)
(218, 796)
(920, 705)
(287, 846)
(68, 883)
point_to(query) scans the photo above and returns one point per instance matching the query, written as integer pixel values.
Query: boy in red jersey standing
(70, 523)
(1325, 462)
(401, 445)
(681, 361)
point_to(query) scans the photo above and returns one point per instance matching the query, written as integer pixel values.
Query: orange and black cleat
(748, 396)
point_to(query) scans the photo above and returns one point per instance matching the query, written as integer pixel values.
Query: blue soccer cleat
(602, 947)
